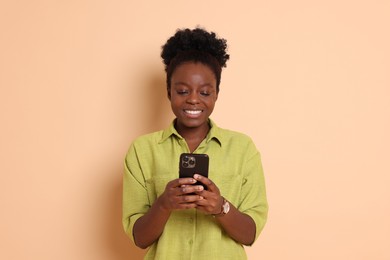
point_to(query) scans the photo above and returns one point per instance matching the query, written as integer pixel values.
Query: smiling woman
(171, 216)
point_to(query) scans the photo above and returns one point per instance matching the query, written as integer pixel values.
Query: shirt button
(191, 220)
(190, 242)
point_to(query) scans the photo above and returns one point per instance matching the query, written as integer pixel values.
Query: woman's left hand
(239, 226)
(212, 199)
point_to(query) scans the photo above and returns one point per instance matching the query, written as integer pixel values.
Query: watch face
(226, 207)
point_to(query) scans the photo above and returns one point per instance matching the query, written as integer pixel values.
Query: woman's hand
(180, 194)
(212, 200)
(237, 225)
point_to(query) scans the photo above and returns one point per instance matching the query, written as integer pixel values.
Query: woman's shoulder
(236, 140)
(233, 135)
(148, 138)
(239, 142)
(144, 144)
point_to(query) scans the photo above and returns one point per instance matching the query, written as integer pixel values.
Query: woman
(173, 217)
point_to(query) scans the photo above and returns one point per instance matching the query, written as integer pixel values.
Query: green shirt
(235, 167)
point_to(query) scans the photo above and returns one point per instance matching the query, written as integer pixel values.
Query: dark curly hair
(197, 45)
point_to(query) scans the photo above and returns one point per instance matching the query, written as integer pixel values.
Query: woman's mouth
(193, 112)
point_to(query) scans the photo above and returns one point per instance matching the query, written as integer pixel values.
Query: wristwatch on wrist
(224, 209)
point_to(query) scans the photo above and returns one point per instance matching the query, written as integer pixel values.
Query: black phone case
(191, 163)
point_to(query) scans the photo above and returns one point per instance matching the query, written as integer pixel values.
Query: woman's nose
(193, 98)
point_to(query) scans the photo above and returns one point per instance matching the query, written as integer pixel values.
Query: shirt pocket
(156, 186)
(229, 181)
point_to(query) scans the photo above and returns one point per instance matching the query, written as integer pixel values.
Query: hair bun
(197, 39)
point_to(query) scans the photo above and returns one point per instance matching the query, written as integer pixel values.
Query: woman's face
(193, 94)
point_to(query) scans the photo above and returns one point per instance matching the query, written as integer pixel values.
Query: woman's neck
(193, 135)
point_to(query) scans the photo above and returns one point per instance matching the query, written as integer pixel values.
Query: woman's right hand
(180, 194)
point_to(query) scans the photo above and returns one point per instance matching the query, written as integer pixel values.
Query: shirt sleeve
(253, 200)
(135, 201)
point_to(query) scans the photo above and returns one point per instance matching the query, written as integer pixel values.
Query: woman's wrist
(159, 203)
(224, 208)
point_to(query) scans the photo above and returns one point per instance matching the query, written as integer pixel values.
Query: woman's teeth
(193, 112)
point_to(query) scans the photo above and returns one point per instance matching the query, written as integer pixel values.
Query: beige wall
(309, 81)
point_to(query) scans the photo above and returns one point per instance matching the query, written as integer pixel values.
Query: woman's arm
(237, 225)
(148, 228)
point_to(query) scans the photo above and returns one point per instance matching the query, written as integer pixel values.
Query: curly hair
(197, 45)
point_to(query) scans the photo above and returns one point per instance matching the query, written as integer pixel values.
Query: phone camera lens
(185, 158)
(185, 164)
(192, 162)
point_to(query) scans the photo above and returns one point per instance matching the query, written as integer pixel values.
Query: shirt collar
(213, 134)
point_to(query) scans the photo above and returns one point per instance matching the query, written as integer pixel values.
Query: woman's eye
(205, 94)
(182, 92)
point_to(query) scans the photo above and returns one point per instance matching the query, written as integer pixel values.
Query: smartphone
(191, 163)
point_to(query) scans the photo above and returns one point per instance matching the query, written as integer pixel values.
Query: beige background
(308, 80)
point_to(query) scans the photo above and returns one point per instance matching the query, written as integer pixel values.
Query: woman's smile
(192, 113)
